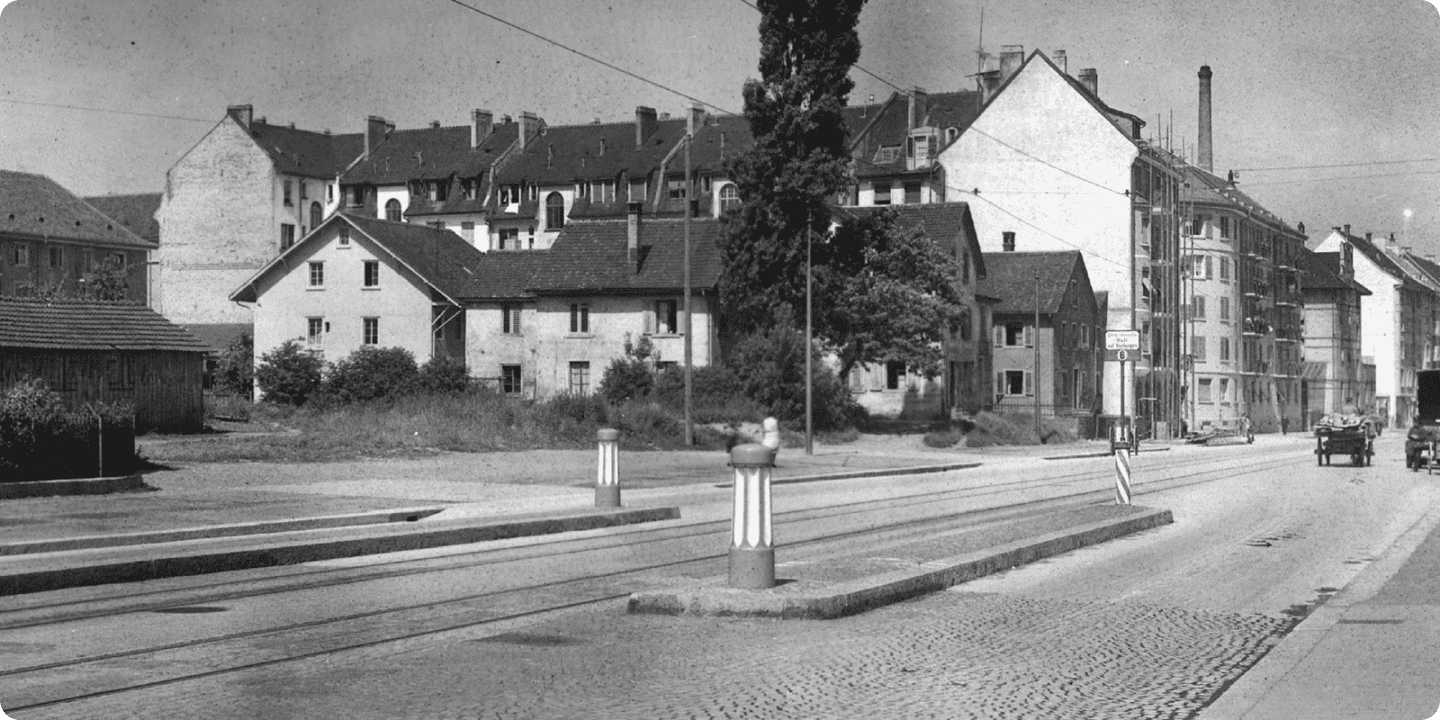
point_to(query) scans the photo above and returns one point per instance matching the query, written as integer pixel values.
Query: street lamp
(1036, 386)
(809, 378)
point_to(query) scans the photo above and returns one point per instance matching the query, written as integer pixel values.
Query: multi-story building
(1068, 342)
(1394, 325)
(242, 195)
(1334, 363)
(895, 145)
(1054, 168)
(50, 240)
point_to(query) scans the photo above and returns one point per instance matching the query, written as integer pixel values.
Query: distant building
(1334, 363)
(896, 145)
(106, 352)
(50, 240)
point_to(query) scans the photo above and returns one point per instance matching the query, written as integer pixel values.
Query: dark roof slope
(1383, 261)
(564, 153)
(440, 257)
(1322, 272)
(593, 256)
(307, 153)
(135, 212)
(1204, 187)
(506, 275)
(431, 153)
(945, 223)
(1011, 278)
(715, 142)
(874, 135)
(33, 323)
(37, 206)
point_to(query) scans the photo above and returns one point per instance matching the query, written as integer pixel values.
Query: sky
(1296, 82)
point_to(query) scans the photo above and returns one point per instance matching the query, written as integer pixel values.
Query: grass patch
(949, 437)
(1015, 429)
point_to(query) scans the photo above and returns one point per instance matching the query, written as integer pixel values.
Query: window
(1224, 391)
(1225, 268)
(1197, 348)
(729, 197)
(510, 319)
(303, 193)
(315, 332)
(965, 323)
(372, 273)
(467, 231)
(370, 333)
(317, 274)
(1224, 349)
(329, 193)
(1224, 227)
(602, 191)
(440, 191)
(1197, 266)
(894, 375)
(1224, 309)
(580, 378)
(882, 193)
(857, 378)
(1204, 394)
(344, 236)
(675, 189)
(965, 267)
(287, 236)
(315, 215)
(1084, 336)
(1199, 307)
(357, 196)
(510, 379)
(1015, 335)
(118, 260)
(57, 257)
(579, 317)
(1007, 241)
(638, 190)
(530, 239)
(665, 316)
(554, 211)
(510, 239)
(1016, 383)
(392, 210)
(289, 189)
(912, 193)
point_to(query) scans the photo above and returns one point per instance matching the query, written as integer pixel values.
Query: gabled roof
(944, 223)
(506, 275)
(304, 152)
(1118, 118)
(1011, 278)
(1428, 266)
(32, 323)
(593, 257)
(431, 154)
(1322, 272)
(135, 212)
(1201, 186)
(875, 131)
(565, 153)
(1381, 260)
(36, 206)
(440, 258)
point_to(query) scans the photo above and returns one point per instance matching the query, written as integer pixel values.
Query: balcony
(1255, 326)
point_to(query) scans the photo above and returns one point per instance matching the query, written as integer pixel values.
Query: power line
(1343, 177)
(1047, 163)
(104, 110)
(1338, 165)
(797, 34)
(977, 195)
(590, 57)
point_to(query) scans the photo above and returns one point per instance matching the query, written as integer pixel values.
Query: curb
(84, 486)
(198, 561)
(850, 598)
(86, 542)
(878, 472)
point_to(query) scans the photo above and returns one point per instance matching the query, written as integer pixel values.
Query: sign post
(1119, 344)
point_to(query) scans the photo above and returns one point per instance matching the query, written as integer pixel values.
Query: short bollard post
(1122, 476)
(607, 482)
(752, 549)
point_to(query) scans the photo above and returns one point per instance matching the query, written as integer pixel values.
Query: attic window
(951, 133)
(887, 154)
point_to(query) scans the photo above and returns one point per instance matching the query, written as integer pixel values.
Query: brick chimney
(917, 107)
(530, 126)
(1062, 61)
(989, 82)
(481, 123)
(632, 233)
(1011, 58)
(645, 124)
(243, 114)
(696, 119)
(375, 131)
(1091, 80)
(1204, 147)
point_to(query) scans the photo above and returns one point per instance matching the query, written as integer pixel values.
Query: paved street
(1154, 625)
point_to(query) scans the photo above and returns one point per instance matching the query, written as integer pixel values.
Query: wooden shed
(111, 352)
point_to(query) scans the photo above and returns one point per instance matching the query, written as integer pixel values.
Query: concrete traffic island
(837, 588)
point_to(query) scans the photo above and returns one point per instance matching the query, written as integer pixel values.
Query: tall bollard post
(607, 481)
(1121, 446)
(752, 548)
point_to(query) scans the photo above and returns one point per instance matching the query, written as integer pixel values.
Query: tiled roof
(889, 127)
(565, 153)
(135, 212)
(440, 257)
(945, 223)
(306, 153)
(33, 323)
(1383, 261)
(37, 206)
(1011, 278)
(505, 275)
(707, 156)
(1204, 187)
(593, 257)
(1322, 273)
(431, 154)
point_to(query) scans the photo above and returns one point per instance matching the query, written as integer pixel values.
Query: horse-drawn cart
(1344, 435)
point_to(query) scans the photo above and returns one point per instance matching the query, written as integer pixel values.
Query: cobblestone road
(952, 655)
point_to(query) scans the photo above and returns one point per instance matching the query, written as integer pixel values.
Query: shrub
(41, 439)
(444, 374)
(949, 437)
(372, 373)
(772, 362)
(717, 395)
(626, 379)
(289, 374)
(235, 370)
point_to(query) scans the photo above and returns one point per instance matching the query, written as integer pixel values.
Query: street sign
(1122, 355)
(1122, 339)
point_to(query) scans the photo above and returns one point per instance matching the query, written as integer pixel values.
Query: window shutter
(999, 333)
(1029, 336)
(877, 379)
(649, 320)
(1209, 267)
(1029, 383)
(999, 384)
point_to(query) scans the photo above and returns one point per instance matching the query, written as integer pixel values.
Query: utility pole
(1038, 434)
(809, 377)
(689, 375)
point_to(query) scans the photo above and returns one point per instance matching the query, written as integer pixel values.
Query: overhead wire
(106, 110)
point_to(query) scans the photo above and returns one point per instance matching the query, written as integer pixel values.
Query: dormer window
(917, 149)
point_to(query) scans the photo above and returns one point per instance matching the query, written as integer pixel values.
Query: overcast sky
(1297, 83)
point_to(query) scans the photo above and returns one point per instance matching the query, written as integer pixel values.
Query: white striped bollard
(752, 548)
(607, 481)
(1122, 476)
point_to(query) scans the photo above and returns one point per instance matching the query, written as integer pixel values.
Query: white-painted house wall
(1063, 138)
(1380, 318)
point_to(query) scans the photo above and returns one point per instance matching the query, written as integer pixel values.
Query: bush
(41, 439)
(289, 374)
(717, 395)
(372, 373)
(235, 370)
(444, 374)
(773, 364)
(627, 378)
(949, 437)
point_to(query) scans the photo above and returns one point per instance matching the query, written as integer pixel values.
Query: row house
(1054, 168)
(1397, 318)
(1053, 289)
(244, 194)
(1337, 378)
(50, 240)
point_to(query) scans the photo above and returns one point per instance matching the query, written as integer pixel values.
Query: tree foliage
(107, 280)
(289, 374)
(235, 369)
(371, 373)
(799, 158)
(888, 293)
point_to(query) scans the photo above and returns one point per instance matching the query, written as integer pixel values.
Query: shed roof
(35, 205)
(33, 323)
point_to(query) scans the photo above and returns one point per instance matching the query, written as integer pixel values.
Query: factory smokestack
(1205, 148)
